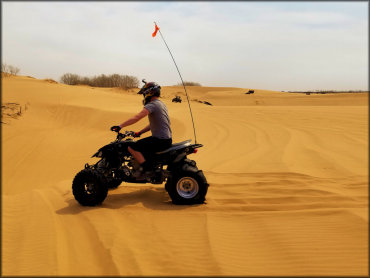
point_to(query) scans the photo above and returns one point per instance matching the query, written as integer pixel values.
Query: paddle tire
(88, 188)
(187, 187)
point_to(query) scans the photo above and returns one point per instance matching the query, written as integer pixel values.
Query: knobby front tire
(88, 188)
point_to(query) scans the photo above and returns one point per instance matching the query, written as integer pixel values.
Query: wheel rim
(90, 188)
(187, 187)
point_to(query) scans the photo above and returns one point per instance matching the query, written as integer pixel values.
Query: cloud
(240, 44)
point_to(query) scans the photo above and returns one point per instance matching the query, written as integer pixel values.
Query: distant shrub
(70, 79)
(9, 70)
(128, 82)
(113, 80)
(188, 83)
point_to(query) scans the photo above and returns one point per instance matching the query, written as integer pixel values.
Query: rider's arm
(135, 118)
(145, 129)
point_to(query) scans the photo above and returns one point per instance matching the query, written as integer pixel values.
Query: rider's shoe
(142, 174)
(143, 171)
(138, 173)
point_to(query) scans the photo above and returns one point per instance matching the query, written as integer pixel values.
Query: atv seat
(175, 146)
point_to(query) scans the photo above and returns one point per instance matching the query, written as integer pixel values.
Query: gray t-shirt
(159, 121)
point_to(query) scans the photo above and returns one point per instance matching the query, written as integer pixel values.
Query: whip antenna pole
(192, 120)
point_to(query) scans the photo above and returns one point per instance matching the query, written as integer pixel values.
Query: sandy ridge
(288, 194)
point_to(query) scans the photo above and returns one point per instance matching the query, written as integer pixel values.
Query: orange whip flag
(155, 31)
(153, 35)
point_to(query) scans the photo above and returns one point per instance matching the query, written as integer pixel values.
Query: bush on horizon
(9, 70)
(113, 80)
(189, 83)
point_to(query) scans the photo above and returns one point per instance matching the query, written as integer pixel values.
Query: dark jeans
(150, 145)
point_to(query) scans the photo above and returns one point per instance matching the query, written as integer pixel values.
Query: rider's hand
(115, 128)
(137, 134)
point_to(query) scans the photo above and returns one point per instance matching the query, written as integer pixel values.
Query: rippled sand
(288, 191)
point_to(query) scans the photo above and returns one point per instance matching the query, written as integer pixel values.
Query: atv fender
(179, 158)
(181, 163)
(189, 168)
(186, 167)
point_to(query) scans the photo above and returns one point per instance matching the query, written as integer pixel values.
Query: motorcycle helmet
(149, 90)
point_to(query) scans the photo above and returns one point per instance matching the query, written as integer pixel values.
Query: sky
(283, 46)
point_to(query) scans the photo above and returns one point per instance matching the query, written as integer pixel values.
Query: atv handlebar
(127, 133)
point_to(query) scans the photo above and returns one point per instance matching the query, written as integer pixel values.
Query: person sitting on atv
(159, 125)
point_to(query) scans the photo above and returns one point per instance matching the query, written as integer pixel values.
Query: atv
(185, 183)
(177, 99)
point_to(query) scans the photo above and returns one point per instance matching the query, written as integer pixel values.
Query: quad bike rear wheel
(187, 187)
(88, 188)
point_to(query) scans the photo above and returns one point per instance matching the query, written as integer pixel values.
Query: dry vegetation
(8, 70)
(189, 83)
(12, 110)
(113, 80)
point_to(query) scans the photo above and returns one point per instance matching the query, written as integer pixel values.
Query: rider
(159, 125)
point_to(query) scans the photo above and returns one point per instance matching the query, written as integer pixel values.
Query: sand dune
(288, 191)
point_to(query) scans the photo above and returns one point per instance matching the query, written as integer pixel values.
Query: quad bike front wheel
(88, 188)
(187, 187)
